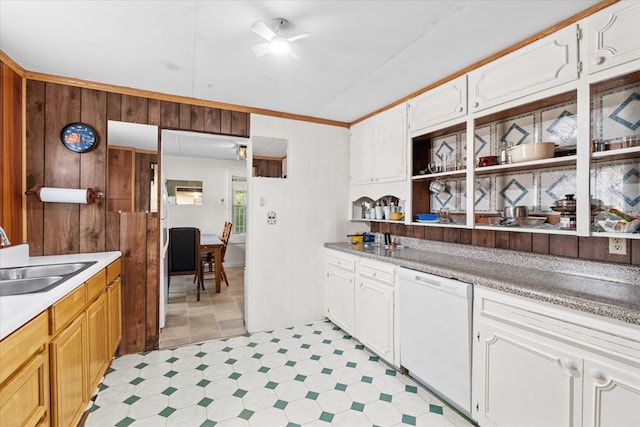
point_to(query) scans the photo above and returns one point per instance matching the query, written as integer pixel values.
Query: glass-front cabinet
(546, 139)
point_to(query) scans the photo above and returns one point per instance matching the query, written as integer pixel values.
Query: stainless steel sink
(29, 286)
(42, 270)
(38, 278)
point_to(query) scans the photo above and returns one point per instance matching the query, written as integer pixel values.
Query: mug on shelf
(437, 186)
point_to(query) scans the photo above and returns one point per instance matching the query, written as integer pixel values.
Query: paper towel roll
(66, 195)
(63, 195)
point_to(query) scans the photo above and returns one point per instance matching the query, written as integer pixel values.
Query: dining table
(210, 243)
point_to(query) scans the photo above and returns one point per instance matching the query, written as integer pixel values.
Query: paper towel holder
(65, 195)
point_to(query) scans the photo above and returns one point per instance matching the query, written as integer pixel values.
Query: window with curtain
(239, 209)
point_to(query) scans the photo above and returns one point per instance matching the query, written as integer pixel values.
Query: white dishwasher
(435, 334)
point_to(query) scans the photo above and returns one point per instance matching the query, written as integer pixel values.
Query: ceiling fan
(277, 37)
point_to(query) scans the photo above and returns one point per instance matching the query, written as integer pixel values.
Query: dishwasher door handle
(428, 281)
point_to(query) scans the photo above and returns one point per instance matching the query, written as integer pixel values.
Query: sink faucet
(4, 240)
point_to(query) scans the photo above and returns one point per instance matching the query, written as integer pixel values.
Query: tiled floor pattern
(214, 316)
(309, 375)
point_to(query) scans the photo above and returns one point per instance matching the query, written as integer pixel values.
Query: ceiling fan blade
(261, 49)
(298, 37)
(293, 55)
(261, 29)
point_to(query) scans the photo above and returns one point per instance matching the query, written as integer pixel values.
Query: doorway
(213, 162)
(214, 316)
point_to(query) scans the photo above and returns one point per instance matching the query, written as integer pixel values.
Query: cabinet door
(339, 297)
(98, 340)
(24, 399)
(114, 304)
(541, 65)
(446, 102)
(613, 36)
(390, 148)
(361, 153)
(374, 316)
(519, 380)
(611, 394)
(69, 374)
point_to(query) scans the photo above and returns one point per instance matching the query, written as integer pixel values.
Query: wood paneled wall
(61, 228)
(56, 228)
(11, 103)
(142, 180)
(267, 168)
(135, 234)
(588, 248)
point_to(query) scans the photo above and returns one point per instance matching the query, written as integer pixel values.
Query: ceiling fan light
(279, 45)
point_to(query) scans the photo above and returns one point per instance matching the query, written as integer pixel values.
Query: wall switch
(617, 246)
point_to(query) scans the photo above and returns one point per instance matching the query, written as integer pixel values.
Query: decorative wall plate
(78, 137)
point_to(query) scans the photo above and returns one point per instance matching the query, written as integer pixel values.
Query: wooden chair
(184, 253)
(208, 258)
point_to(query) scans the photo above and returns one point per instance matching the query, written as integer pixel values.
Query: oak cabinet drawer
(16, 348)
(113, 270)
(96, 285)
(68, 308)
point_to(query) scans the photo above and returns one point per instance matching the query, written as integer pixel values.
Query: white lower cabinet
(339, 289)
(360, 298)
(611, 394)
(535, 364)
(524, 381)
(374, 308)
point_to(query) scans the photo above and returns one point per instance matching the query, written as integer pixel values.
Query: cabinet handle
(374, 274)
(598, 375)
(600, 60)
(476, 104)
(460, 109)
(569, 365)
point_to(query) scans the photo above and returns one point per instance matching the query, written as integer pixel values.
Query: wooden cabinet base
(24, 399)
(69, 378)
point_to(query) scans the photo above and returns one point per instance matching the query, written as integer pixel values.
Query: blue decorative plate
(78, 137)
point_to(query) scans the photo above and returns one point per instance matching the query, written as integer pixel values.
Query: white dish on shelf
(532, 151)
(428, 220)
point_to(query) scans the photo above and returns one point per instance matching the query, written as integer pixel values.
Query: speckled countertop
(605, 289)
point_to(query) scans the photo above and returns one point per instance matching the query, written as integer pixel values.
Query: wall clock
(78, 137)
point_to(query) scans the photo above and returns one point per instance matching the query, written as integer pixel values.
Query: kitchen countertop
(604, 289)
(16, 310)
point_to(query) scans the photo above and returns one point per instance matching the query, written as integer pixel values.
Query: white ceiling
(361, 55)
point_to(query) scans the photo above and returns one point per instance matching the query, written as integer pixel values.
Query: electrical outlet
(617, 246)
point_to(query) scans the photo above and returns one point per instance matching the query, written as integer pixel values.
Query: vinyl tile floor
(308, 375)
(214, 316)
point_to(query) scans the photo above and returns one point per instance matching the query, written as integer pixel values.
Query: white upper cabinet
(361, 153)
(613, 36)
(390, 155)
(544, 64)
(377, 148)
(444, 103)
